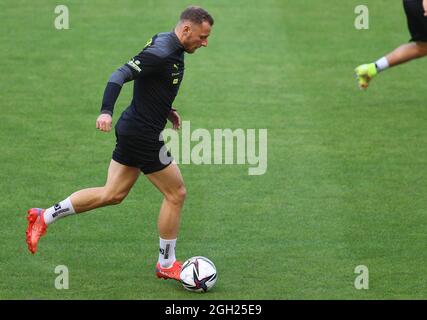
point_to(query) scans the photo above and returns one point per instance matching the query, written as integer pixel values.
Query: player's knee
(114, 198)
(177, 196)
(117, 198)
(182, 193)
(422, 47)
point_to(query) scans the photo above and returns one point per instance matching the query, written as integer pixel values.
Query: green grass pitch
(346, 183)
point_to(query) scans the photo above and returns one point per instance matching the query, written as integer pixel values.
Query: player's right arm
(425, 7)
(111, 93)
(141, 65)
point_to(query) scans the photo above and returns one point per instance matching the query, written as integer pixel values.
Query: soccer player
(416, 14)
(157, 72)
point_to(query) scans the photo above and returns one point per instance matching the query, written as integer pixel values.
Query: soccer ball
(198, 274)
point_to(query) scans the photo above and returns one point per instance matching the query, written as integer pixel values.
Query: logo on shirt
(134, 64)
(175, 74)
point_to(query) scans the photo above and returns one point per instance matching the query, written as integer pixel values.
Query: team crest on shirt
(134, 64)
(175, 74)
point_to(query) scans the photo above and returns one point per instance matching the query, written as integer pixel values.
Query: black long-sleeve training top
(157, 72)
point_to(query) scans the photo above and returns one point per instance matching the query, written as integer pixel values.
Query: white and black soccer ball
(198, 274)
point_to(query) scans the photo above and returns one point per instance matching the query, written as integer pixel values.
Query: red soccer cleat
(36, 228)
(169, 273)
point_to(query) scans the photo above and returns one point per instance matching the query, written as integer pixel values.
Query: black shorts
(147, 153)
(417, 23)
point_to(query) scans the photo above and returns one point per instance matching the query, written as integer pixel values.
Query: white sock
(58, 211)
(382, 64)
(167, 253)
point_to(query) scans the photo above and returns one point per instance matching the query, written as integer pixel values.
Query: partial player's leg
(417, 48)
(170, 182)
(120, 180)
(417, 26)
(402, 54)
(406, 52)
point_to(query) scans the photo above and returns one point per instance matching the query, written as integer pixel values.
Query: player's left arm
(175, 119)
(425, 7)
